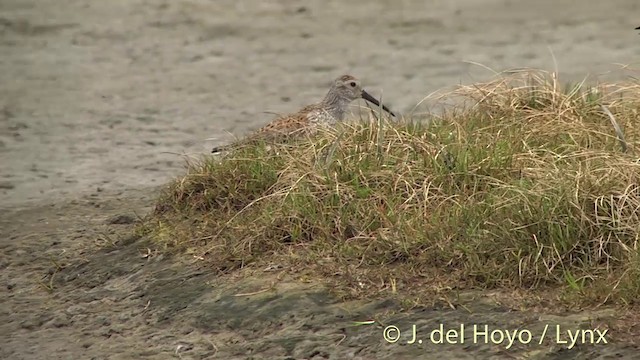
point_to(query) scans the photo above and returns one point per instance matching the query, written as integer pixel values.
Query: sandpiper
(329, 111)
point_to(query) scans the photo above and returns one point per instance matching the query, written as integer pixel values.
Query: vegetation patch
(521, 184)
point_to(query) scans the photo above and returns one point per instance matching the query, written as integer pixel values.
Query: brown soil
(97, 96)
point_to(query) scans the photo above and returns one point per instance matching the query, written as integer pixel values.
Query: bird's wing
(280, 129)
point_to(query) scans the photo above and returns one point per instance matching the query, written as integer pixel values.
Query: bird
(332, 109)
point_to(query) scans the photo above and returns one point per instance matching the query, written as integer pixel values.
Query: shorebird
(329, 111)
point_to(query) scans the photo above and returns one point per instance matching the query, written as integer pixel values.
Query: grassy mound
(521, 184)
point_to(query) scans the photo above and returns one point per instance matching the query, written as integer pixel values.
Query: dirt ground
(99, 99)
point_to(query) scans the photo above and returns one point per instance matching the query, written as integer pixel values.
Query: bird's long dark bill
(371, 99)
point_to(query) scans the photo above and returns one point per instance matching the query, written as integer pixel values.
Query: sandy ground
(98, 97)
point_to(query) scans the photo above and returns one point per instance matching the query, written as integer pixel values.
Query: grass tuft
(522, 184)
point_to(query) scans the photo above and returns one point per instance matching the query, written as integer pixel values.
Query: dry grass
(522, 184)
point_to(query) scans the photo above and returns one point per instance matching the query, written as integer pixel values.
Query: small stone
(121, 219)
(60, 321)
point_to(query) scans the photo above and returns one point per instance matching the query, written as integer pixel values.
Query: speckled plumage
(307, 120)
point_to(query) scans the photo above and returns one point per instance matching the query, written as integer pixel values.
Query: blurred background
(102, 95)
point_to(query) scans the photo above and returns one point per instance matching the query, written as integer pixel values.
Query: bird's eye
(353, 84)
